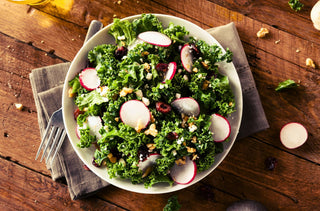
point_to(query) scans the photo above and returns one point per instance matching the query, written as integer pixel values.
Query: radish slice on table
(95, 124)
(155, 38)
(172, 67)
(148, 162)
(293, 135)
(135, 114)
(186, 57)
(187, 105)
(89, 79)
(220, 128)
(184, 174)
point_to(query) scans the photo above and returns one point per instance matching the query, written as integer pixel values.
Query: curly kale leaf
(147, 22)
(172, 204)
(122, 31)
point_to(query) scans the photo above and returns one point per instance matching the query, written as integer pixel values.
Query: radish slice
(187, 105)
(135, 114)
(293, 135)
(220, 128)
(172, 67)
(149, 161)
(184, 174)
(186, 58)
(155, 38)
(95, 124)
(89, 79)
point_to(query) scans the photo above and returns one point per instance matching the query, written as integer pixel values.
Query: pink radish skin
(149, 161)
(187, 106)
(134, 112)
(220, 127)
(89, 79)
(186, 58)
(293, 135)
(155, 38)
(184, 174)
(172, 67)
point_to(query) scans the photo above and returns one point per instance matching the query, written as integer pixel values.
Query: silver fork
(55, 133)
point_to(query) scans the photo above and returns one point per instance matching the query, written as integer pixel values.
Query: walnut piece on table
(262, 32)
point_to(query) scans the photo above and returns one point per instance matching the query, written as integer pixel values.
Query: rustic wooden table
(32, 37)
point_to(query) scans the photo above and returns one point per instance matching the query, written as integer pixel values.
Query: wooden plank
(24, 189)
(293, 182)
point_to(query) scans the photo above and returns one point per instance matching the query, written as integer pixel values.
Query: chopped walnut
(152, 130)
(195, 156)
(262, 32)
(125, 91)
(151, 146)
(194, 140)
(205, 85)
(181, 161)
(191, 149)
(139, 126)
(19, 106)
(310, 63)
(70, 92)
(112, 158)
(146, 66)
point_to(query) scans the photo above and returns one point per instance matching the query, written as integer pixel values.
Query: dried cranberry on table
(271, 163)
(163, 107)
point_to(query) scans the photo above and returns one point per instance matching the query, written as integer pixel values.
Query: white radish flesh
(220, 128)
(148, 162)
(172, 67)
(186, 57)
(184, 174)
(135, 114)
(293, 135)
(95, 124)
(187, 106)
(155, 38)
(89, 79)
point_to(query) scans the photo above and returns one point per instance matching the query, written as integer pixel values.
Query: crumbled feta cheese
(149, 76)
(161, 86)
(121, 37)
(178, 95)
(185, 77)
(146, 101)
(180, 140)
(174, 152)
(192, 128)
(139, 93)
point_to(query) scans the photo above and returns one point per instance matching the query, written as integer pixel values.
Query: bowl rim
(123, 184)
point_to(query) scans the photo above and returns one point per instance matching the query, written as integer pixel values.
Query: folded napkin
(47, 83)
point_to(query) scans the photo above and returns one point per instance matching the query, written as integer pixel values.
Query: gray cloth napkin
(47, 85)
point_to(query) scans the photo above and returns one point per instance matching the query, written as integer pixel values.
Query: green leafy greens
(287, 84)
(296, 5)
(120, 147)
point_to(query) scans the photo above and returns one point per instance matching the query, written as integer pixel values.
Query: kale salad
(144, 143)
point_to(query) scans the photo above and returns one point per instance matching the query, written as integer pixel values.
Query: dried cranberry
(76, 113)
(120, 52)
(162, 67)
(85, 167)
(172, 136)
(163, 107)
(95, 163)
(194, 51)
(271, 163)
(143, 152)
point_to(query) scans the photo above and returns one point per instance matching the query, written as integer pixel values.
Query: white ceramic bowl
(86, 155)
